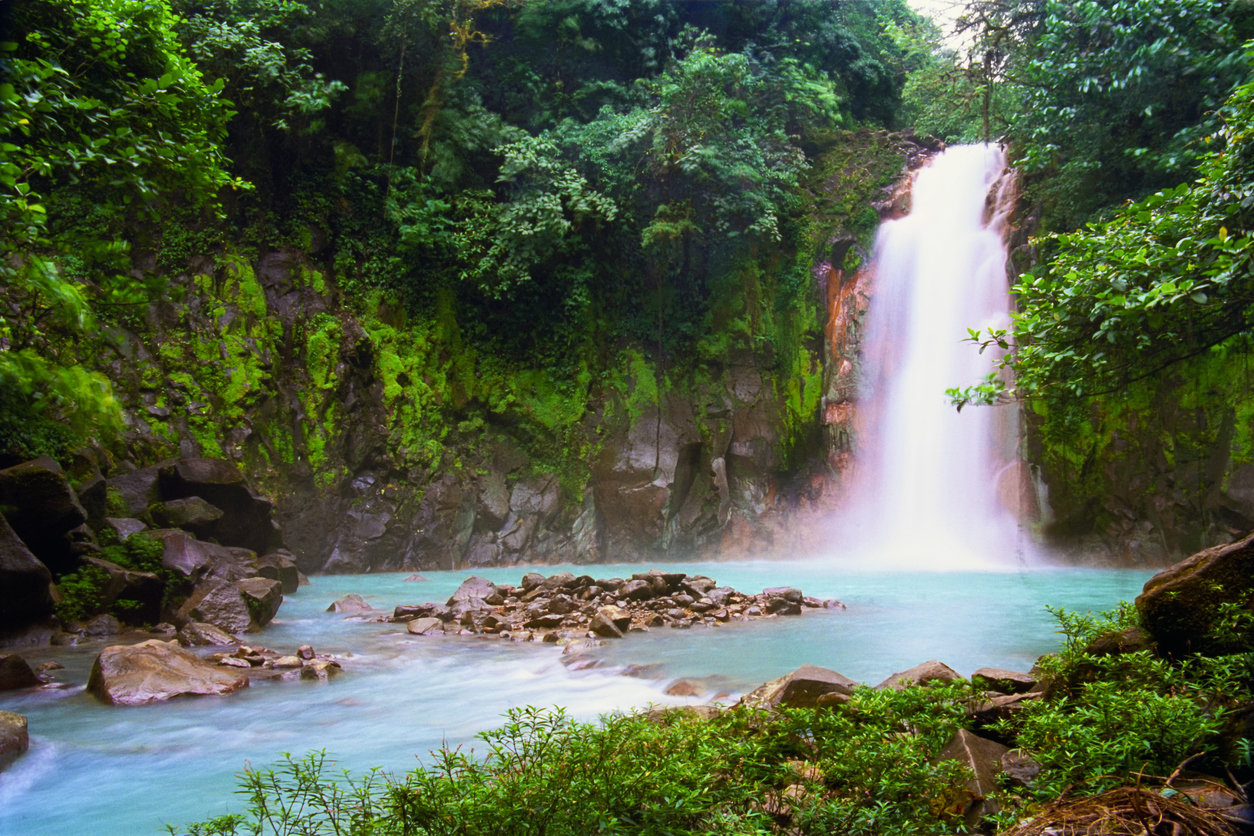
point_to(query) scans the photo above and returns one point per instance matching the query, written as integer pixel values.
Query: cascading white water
(925, 488)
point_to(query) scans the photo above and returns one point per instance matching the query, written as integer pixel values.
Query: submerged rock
(154, 671)
(14, 737)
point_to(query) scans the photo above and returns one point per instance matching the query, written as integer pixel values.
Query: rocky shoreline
(564, 608)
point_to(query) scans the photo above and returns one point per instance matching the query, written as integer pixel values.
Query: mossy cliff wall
(391, 441)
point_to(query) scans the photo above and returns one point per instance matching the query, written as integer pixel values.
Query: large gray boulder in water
(154, 671)
(471, 588)
(1181, 605)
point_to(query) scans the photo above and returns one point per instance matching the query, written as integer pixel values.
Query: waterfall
(931, 486)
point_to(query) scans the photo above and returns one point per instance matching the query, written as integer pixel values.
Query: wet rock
(785, 592)
(192, 514)
(351, 603)
(922, 674)
(14, 737)
(219, 603)
(280, 566)
(24, 583)
(800, 689)
(263, 597)
(305, 652)
(196, 560)
(984, 758)
(425, 627)
(782, 606)
(50, 665)
(531, 580)
(683, 688)
(15, 673)
(143, 591)
(561, 580)
(139, 488)
(100, 626)
(200, 634)
(1127, 640)
(124, 527)
(474, 587)
(154, 671)
(610, 622)
(1003, 681)
(320, 670)
(1019, 769)
(288, 662)
(41, 507)
(1181, 604)
(636, 590)
(247, 519)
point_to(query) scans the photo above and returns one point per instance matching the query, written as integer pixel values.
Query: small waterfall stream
(932, 485)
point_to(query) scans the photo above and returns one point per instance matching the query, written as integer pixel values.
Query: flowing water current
(104, 770)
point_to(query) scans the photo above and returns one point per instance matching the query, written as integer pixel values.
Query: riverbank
(401, 696)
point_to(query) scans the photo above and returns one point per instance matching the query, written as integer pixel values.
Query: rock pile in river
(564, 607)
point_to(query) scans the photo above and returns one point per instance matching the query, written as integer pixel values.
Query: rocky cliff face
(359, 421)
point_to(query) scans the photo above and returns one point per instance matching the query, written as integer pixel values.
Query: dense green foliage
(84, 591)
(867, 767)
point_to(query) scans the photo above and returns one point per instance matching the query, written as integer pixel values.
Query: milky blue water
(110, 770)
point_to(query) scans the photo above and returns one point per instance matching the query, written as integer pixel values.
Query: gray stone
(320, 670)
(124, 527)
(219, 603)
(425, 627)
(247, 519)
(800, 689)
(145, 589)
(263, 596)
(14, 737)
(531, 580)
(636, 590)
(100, 626)
(1003, 681)
(1019, 769)
(984, 758)
(139, 488)
(154, 671)
(1181, 604)
(921, 674)
(15, 673)
(191, 513)
(540, 496)
(474, 587)
(24, 583)
(200, 634)
(195, 559)
(610, 622)
(350, 603)
(493, 498)
(41, 507)
(280, 566)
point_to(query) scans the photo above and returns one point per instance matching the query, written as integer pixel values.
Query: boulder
(139, 488)
(610, 622)
(154, 670)
(42, 508)
(1181, 605)
(263, 597)
(425, 627)
(474, 587)
(320, 670)
(143, 591)
(929, 671)
(200, 634)
(93, 495)
(350, 603)
(1003, 681)
(281, 566)
(636, 590)
(531, 580)
(14, 738)
(191, 514)
(800, 689)
(984, 758)
(100, 626)
(25, 597)
(1019, 769)
(196, 560)
(218, 603)
(1127, 640)
(247, 518)
(124, 527)
(15, 673)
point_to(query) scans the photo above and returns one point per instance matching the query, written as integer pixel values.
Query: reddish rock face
(154, 671)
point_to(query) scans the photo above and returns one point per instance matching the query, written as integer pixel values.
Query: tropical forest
(626, 417)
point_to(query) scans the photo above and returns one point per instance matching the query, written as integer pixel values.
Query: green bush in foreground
(868, 767)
